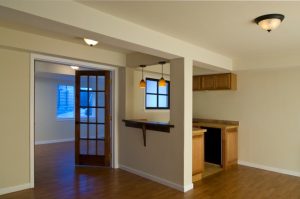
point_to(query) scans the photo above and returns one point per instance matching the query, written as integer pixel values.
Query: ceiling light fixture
(74, 67)
(269, 22)
(90, 42)
(142, 82)
(162, 81)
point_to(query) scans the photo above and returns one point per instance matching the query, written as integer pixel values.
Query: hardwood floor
(57, 178)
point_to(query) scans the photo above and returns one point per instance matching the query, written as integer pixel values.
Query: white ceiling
(224, 27)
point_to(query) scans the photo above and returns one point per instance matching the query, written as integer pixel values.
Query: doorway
(110, 113)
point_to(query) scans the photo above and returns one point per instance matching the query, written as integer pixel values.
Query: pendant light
(269, 22)
(162, 81)
(142, 82)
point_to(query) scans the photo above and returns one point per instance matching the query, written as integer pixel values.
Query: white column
(181, 111)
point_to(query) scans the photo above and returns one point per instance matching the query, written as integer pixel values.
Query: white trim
(268, 168)
(115, 116)
(32, 120)
(114, 70)
(15, 188)
(54, 141)
(182, 188)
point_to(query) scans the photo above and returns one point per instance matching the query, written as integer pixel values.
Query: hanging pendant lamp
(142, 82)
(162, 81)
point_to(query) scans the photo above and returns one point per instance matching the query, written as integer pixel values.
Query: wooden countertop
(197, 122)
(198, 131)
(148, 125)
(146, 122)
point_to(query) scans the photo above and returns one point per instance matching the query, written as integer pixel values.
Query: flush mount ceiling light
(269, 22)
(162, 81)
(74, 67)
(142, 82)
(90, 42)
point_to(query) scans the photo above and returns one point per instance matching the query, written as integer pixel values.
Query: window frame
(157, 95)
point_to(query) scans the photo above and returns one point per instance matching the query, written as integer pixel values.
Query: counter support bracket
(147, 125)
(144, 134)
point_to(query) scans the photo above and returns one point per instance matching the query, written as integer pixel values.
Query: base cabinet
(198, 154)
(230, 147)
(227, 144)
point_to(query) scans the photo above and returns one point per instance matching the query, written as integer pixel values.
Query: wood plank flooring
(57, 178)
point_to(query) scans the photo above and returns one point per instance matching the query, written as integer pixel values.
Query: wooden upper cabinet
(197, 83)
(208, 82)
(225, 81)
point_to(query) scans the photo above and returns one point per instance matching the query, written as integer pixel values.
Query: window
(65, 108)
(65, 102)
(157, 97)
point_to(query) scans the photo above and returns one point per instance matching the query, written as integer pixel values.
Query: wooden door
(92, 118)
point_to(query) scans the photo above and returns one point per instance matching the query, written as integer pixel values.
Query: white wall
(163, 159)
(47, 127)
(268, 107)
(15, 50)
(14, 117)
(138, 99)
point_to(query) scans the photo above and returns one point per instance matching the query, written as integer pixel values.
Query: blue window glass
(157, 97)
(151, 101)
(87, 101)
(65, 102)
(163, 89)
(151, 86)
(163, 101)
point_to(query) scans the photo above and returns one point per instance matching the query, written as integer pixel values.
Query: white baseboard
(54, 141)
(15, 188)
(268, 168)
(157, 179)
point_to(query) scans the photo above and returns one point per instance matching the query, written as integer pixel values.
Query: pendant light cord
(162, 70)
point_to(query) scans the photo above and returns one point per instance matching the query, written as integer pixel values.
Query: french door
(92, 118)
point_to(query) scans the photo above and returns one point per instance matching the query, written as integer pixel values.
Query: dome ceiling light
(269, 22)
(75, 67)
(90, 42)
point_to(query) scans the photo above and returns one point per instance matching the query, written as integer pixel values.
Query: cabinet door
(231, 147)
(198, 157)
(208, 82)
(223, 81)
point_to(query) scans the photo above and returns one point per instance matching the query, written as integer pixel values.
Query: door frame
(114, 104)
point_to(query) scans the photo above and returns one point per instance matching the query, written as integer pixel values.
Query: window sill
(157, 110)
(64, 119)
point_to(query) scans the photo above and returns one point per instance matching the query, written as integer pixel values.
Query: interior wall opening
(69, 120)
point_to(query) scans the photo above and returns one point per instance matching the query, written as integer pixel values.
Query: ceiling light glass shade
(142, 83)
(90, 42)
(74, 67)
(162, 82)
(269, 22)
